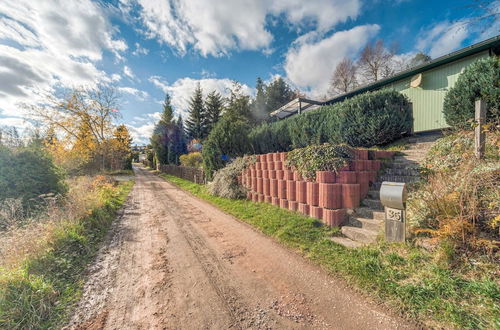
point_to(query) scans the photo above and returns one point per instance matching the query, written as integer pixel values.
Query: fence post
(479, 134)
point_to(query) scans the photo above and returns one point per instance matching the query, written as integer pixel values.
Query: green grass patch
(403, 276)
(39, 294)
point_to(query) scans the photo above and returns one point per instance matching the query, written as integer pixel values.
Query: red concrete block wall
(292, 205)
(268, 199)
(260, 188)
(303, 208)
(275, 201)
(288, 175)
(273, 187)
(282, 189)
(278, 165)
(325, 177)
(280, 174)
(312, 193)
(265, 174)
(330, 195)
(266, 187)
(297, 176)
(301, 191)
(334, 218)
(350, 196)
(316, 212)
(283, 203)
(261, 198)
(290, 190)
(346, 177)
(272, 174)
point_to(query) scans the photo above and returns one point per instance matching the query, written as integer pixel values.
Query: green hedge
(479, 80)
(369, 119)
(228, 139)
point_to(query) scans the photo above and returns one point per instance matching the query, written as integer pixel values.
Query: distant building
(425, 85)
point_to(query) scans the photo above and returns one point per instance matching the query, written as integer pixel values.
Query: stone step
(368, 213)
(365, 223)
(372, 203)
(347, 242)
(402, 171)
(399, 178)
(360, 234)
(375, 194)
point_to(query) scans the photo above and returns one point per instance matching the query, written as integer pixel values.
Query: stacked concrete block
(326, 198)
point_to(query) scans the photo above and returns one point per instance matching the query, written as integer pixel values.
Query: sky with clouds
(147, 48)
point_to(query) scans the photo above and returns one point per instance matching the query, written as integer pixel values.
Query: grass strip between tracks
(403, 276)
(39, 294)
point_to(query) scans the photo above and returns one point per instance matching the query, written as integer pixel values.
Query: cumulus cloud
(217, 27)
(309, 62)
(139, 50)
(49, 44)
(128, 72)
(140, 95)
(182, 90)
(443, 38)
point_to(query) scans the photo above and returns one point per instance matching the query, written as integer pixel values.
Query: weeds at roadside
(37, 291)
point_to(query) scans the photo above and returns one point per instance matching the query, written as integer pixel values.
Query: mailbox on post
(393, 197)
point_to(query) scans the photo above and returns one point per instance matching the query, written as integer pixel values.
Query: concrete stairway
(366, 223)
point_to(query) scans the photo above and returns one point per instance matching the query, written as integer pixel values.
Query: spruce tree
(213, 108)
(278, 93)
(196, 123)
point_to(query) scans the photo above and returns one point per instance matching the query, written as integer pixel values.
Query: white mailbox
(393, 196)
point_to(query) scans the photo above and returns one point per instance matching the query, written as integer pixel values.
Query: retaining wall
(327, 198)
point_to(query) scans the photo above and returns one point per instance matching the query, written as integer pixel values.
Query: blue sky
(149, 47)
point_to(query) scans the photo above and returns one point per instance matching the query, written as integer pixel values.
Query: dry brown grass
(25, 237)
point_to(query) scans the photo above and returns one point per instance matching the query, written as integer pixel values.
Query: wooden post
(479, 135)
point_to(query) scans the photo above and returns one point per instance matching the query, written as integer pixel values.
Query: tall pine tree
(213, 107)
(196, 124)
(160, 141)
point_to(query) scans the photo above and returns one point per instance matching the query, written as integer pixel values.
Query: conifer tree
(196, 124)
(278, 93)
(213, 107)
(259, 103)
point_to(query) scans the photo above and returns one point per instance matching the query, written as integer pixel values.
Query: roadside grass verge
(38, 293)
(401, 275)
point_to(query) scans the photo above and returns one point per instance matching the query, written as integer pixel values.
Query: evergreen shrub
(28, 172)
(365, 120)
(227, 140)
(479, 80)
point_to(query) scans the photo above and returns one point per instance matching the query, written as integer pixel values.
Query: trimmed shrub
(479, 80)
(225, 183)
(325, 157)
(228, 139)
(374, 118)
(27, 173)
(369, 119)
(193, 159)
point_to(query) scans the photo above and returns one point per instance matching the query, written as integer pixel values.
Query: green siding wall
(429, 97)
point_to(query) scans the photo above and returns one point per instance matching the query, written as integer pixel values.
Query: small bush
(27, 173)
(365, 120)
(193, 159)
(228, 139)
(479, 80)
(225, 183)
(325, 157)
(459, 204)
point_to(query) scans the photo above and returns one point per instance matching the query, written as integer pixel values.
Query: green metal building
(425, 85)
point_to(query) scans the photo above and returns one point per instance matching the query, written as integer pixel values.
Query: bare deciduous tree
(344, 77)
(375, 61)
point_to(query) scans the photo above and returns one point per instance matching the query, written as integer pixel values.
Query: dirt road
(173, 261)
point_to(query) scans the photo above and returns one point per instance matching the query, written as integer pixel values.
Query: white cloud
(49, 44)
(443, 38)
(139, 50)
(142, 132)
(182, 90)
(140, 95)
(217, 27)
(128, 72)
(309, 63)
